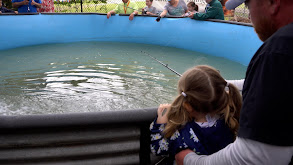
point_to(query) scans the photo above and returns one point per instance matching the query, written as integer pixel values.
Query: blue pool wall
(104, 137)
(232, 41)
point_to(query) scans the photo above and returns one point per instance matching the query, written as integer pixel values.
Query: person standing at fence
(265, 133)
(27, 6)
(214, 10)
(149, 9)
(47, 6)
(5, 10)
(127, 7)
(174, 8)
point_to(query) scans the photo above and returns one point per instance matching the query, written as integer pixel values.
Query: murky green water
(95, 76)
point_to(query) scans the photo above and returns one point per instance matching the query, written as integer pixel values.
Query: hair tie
(184, 94)
(227, 86)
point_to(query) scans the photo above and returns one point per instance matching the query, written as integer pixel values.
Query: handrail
(77, 119)
(211, 20)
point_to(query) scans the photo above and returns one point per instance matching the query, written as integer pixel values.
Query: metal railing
(110, 137)
(240, 14)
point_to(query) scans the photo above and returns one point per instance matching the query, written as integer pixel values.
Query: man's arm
(164, 13)
(38, 5)
(110, 13)
(241, 152)
(211, 13)
(135, 11)
(18, 4)
(131, 16)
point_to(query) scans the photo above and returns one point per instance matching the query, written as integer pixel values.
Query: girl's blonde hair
(205, 93)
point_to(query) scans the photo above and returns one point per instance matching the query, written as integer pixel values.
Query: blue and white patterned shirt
(203, 140)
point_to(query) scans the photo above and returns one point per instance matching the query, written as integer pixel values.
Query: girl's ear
(188, 107)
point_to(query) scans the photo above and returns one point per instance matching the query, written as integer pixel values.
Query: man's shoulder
(216, 3)
(281, 41)
(285, 32)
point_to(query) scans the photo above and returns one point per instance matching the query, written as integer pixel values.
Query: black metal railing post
(81, 6)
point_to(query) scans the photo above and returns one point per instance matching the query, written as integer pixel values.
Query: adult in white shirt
(265, 135)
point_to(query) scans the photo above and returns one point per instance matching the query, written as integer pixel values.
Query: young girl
(203, 117)
(149, 9)
(192, 8)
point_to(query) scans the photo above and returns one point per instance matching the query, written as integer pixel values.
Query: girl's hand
(191, 15)
(162, 113)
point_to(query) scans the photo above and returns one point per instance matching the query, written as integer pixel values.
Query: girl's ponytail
(177, 117)
(232, 112)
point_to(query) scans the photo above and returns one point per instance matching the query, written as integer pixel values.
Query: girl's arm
(159, 145)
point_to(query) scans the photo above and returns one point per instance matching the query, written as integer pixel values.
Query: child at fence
(192, 8)
(213, 10)
(127, 7)
(203, 117)
(149, 9)
(5, 10)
